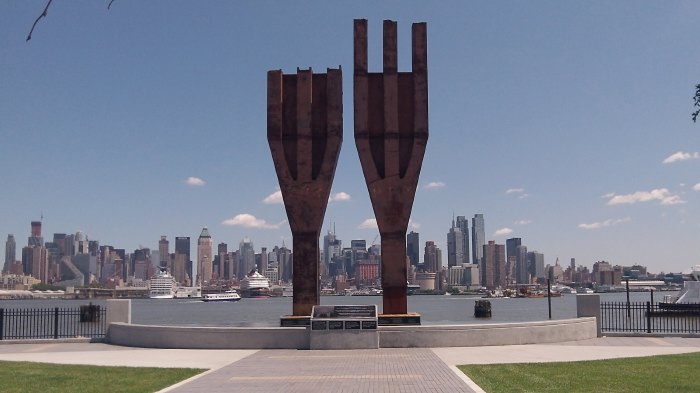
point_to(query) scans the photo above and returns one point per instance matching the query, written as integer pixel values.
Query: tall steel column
(391, 133)
(305, 131)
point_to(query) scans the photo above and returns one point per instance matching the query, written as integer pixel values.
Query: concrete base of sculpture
(408, 319)
(295, 320)
(344, 339)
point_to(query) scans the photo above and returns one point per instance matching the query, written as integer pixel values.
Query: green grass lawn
(29, 377)
(668, 373)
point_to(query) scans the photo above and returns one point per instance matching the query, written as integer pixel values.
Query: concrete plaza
(380, 370)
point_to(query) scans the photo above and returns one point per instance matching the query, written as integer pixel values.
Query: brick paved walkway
(383, 370)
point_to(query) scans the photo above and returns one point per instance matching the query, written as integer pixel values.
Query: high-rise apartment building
(413, 248)
(432, 259)
(493, 268)
(463, 225)
(164, 252)
(478, 239)
(221, 259)
(10, 252)
(205, 258)
(455, 242)
(535, 261)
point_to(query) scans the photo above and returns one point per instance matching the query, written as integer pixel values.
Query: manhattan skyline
(564, 124)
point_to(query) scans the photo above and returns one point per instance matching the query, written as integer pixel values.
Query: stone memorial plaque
(369, 325)
(362, 311)
(352, 325)
(335, 325)
(319, 325)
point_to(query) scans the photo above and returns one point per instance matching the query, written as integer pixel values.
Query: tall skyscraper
(512, 259)
(246, 257)
(205, 258)
(478, 238)
(164, 252)
(463, 225)
(10, 252)
(182, 274)
(413, 248)
(36, 239)
(522, 275)
(222, 258)
(493, 268)
(332, 247)
(455, 242)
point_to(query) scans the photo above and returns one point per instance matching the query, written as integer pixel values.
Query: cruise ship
(255, 285)
(163, 286)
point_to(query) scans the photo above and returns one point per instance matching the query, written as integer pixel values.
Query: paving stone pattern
(336, 371)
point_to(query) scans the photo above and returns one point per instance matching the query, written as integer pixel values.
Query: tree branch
(695, 114)
(110, 4)
(43, 15)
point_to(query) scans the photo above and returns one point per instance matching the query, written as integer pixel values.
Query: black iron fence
(53, 323)
(645, 317)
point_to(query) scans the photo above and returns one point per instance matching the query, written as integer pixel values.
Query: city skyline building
(246, 257)
(413, 248)
(10, 252)
(455, 246)
(164, 253)
(432, 259)
(522, 275)
(493, 268)
(182, 265)
(463, 225)
(35, 238)
(478, 239)
(205, 258)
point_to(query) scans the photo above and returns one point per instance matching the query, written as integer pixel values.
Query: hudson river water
(434, 310)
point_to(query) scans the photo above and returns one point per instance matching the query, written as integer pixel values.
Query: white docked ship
(163, 286)
(228, 296)
(255, 285)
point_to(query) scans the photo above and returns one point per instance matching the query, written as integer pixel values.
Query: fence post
(55, 323)
(2, 322)
(589, 306)
(648, 317)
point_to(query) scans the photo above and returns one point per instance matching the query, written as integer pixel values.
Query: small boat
(228, 296)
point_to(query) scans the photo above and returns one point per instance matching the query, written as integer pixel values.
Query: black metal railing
(645, 317)
(52, 323)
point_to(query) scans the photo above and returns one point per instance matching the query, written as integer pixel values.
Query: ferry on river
(228, 296)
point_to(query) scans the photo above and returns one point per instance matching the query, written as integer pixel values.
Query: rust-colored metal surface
(305, 131)
(391, 133)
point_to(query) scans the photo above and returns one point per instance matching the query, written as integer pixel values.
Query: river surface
(434, 310)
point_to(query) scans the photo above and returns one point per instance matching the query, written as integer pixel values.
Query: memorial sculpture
(305, 131)
(391, 133)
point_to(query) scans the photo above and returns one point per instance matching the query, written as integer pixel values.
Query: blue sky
(565, 123)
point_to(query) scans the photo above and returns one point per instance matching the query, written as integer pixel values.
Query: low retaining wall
(490, 334)
(187, 337)
(190, 337)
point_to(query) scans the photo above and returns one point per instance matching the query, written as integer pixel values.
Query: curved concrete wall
(191, 337)
(188, 337)
(490, 334)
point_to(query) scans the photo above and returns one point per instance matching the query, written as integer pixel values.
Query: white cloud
(696, 187)
(522, 222)
(274, 199)
(370, 223)
(195, 181)
(658, 194)
(523, 196)
(246, 220)
(339, 197)
(681, 156)
(515, 190)
(603, 224)
(503, 232)
(412, 225)
(608, 195)
(434, 184)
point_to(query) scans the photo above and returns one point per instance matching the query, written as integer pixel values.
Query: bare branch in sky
(43, 15)
(110, 3)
